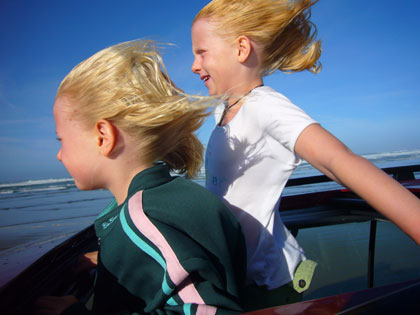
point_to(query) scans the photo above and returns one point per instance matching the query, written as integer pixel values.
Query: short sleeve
(282, 120)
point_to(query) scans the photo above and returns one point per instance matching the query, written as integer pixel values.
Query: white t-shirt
(248, 163)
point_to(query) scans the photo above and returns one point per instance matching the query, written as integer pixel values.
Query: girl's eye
(58, 139)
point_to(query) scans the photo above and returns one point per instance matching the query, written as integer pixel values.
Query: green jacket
(171, 247)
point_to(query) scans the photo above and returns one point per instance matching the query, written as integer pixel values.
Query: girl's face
(78, 150)
(215, 58)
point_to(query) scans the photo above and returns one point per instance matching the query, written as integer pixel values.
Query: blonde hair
(281, 28)
(128, 85)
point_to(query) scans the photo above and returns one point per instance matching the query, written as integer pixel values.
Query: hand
(53, 305)
(86, 262)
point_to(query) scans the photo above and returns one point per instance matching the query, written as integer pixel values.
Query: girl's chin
(82, 186)
(212, 92)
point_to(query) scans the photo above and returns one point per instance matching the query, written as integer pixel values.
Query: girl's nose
(59, 155)
(195, 66)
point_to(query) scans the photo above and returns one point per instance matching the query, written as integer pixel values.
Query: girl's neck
(231, 108)
(238, 94)
(122, 181)
(123, 165)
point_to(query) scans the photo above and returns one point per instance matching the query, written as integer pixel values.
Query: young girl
(166, 243)
(261, 137)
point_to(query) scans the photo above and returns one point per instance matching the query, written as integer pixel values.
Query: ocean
(37, 215)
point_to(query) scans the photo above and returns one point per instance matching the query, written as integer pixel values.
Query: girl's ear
(244, 48)
(106, 135)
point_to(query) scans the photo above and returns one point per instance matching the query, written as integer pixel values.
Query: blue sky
(368, 93)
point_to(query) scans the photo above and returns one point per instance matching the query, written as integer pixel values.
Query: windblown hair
(128, 85)
(281, 28)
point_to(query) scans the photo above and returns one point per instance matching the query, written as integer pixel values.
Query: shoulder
(182, 200)
(183, 212)
(266, 104)
(268, 100)
(271, 107)
(182, 190)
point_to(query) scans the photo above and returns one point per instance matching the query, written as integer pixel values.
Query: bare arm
(333, 158)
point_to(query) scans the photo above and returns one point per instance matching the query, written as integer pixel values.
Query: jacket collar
(149, 178)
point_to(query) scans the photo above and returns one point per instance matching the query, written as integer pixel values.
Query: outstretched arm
(329, 155)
